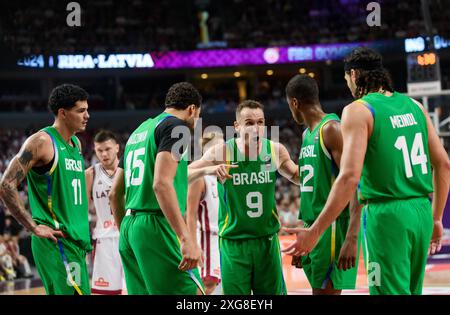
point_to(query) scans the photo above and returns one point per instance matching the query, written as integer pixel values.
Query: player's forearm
(191, 221)
(167, 199)
(295, 178)
(441, 183)
(194, 174)
(10, 196)
(355, 219)
(340, 195)
(117, 204)
(14, 175)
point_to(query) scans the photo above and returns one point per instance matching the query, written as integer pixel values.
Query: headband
(363, 64)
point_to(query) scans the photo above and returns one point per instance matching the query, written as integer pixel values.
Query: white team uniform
(208, 229)
(107, 276)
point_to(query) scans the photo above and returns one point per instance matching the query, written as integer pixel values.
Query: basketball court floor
(436, 282)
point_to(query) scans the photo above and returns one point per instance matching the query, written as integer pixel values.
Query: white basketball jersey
(208, 212)
(106, 226)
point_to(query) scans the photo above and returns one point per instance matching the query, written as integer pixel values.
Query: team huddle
(377, 179)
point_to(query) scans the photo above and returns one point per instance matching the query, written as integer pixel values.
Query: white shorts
(107, 276)
(211, 266)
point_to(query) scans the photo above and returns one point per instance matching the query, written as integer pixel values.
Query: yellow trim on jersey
(50, 208)
(322, 144)
(361, 101)
(55, 163)
(225, 225)
(272, 153)
(333, 241)
(227, 154)
(276, 216)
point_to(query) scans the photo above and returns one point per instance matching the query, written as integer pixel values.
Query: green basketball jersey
(317, 171)
(397, 162)
(139, 165)
(58, 198)
(247, 201)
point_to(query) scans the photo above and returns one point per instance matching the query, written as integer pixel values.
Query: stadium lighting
(302, 70)
(311, 74)
(204, 76)
(269, 72)
(237, 74)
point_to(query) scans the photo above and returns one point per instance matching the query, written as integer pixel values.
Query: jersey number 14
(418, 156)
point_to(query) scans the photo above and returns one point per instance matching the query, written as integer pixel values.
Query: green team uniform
(149, 248)
(395, 184)
(250, 255)
(58, 199)
(317, 173)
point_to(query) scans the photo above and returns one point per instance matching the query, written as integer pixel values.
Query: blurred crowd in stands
(34, 27)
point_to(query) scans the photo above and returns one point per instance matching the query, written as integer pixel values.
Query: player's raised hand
(436, 238)
(304, 244)
(47, 232)
(192, 256)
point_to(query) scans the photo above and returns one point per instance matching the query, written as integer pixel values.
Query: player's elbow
(442, 167)
(160, 186)
(350, 180)
(4, 188)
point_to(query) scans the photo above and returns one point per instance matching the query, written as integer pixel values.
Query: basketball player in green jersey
(52, 162)
(157, 252)
(249, 248)
(319, 161)
(393, 153)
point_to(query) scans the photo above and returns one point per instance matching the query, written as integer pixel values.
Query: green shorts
(150, 253)
(61, 266)
(320, 265)
(251, 265)
(397, 236)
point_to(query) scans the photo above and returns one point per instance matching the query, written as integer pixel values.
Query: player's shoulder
(170, 122)
(331, 126)
(357, 109)
(39, 140)
(418, 104)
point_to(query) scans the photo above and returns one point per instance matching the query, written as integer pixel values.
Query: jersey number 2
(310, 174)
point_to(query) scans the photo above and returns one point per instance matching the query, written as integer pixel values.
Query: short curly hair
(303, 88)
(65, 96)
(181, 95)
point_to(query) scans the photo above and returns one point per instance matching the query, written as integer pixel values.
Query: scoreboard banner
(200, 58)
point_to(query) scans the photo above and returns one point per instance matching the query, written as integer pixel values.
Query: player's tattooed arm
(31, 154)
(286, 167)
